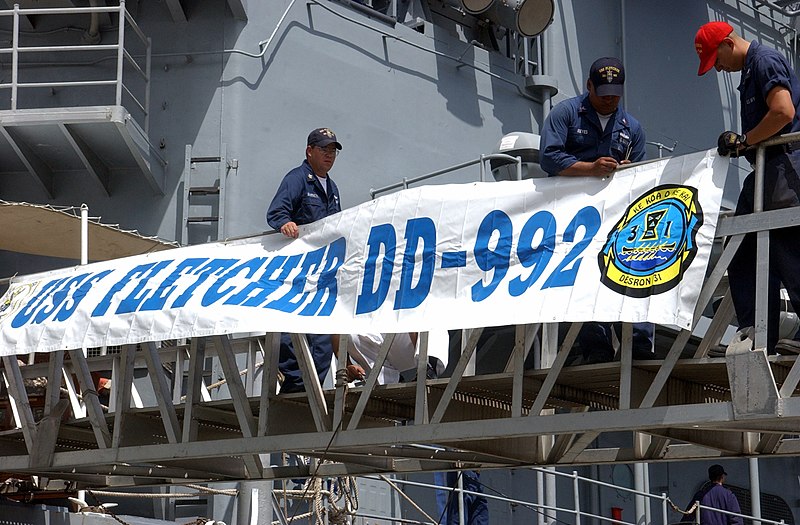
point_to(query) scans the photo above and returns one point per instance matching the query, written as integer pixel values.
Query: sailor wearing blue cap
(590, 135)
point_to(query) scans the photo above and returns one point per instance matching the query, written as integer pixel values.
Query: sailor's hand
(355, 372)
(604, 166)
(731, 144)
(290, 229)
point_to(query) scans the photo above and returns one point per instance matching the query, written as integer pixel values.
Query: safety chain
(686, 512)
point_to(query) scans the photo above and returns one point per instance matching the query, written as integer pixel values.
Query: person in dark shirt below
(714, 494)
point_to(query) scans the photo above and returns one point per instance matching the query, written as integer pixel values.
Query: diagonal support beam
(555, 370)
(162, 392)
(93, 408)
(578, 446)
(47, 435)
(316, 400)
(458, 373)
(524, 334)
(16, 388)
(96, 167)
(194, 386)
(55, 367)
(269, 379)
(122, 384)
(421, 407)
(722, 318)
(33, 164)
(372, 380)
(682, 338)
(244, 414)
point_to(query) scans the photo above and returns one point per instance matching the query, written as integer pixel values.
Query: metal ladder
(216, 190)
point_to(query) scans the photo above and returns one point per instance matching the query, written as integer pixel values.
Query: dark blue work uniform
(301, 199)
(765, 69)
(572, 133)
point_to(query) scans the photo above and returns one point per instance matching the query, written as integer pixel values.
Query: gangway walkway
(687, 405)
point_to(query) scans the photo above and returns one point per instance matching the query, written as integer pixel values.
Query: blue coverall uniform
(300, 198)
(764, 69)
(572, 133)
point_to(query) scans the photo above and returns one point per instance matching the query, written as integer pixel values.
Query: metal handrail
(481, 160)
(762, 238)
(664, 500)
(122, 55)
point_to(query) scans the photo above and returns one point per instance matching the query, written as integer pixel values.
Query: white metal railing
(576, 510)
(406, 182)
(122, 57)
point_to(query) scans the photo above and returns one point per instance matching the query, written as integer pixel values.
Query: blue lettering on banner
(532, 257)
(493, 246)
(213, 267)
(266, 284)
(408, 296)
(296, 296)
(140, 292)
(494, 259)
(103, 306)
(71, 304)
(34, 302)
(214, 294)
(327, 285)
(454, 259)
(382, 238)
(159, 298)
(589, 219)
(59, 296)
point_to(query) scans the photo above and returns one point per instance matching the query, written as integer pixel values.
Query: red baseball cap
(707, 41)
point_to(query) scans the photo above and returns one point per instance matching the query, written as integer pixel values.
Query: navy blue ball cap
(608, 76)
(715, 471)
(322, 137)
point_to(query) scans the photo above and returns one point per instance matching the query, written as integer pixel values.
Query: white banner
(633, 247)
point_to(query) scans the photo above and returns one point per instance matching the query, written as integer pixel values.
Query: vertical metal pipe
(461, 498)
(15, 58)
(526, 44)
(550, 496)
(762, 259)
(84, 234)
(576, 493)
(148, 67)
(755, 490)
(483, 168)
(120, 51)
(540, 496)
(664, 508)
(519, 168)
(638, 480)
(244, 504)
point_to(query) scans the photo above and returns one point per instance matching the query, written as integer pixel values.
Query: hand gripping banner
(633, 247)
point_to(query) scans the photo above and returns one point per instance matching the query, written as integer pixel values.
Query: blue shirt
(764, 69)
(719, 497)
(572, 133)
(301, 199)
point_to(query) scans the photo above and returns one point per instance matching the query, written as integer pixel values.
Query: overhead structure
(56, 232)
